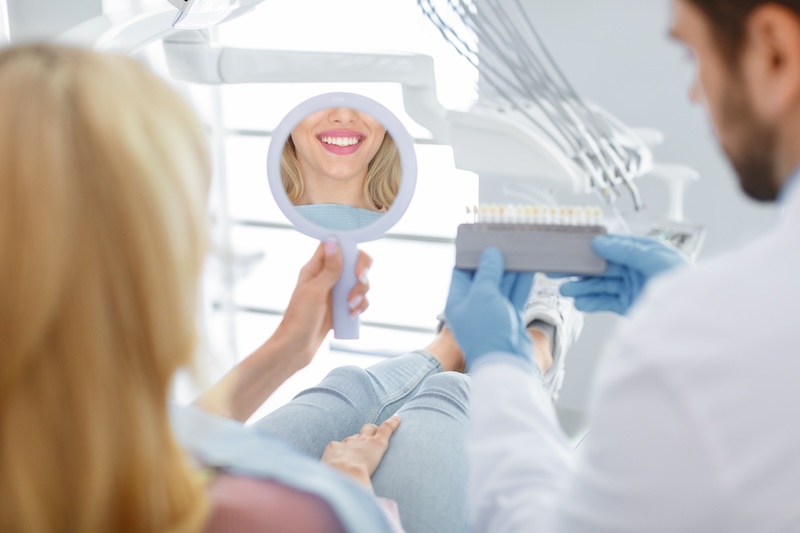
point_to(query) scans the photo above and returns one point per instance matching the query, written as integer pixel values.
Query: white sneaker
(546, 304)
(440, 322)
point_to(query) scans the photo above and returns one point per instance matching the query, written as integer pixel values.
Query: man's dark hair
(728, 19)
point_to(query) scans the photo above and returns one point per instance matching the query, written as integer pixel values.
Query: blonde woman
(103, 181)
(341, 168)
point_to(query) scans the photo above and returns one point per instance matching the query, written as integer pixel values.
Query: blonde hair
(103, 180)
(380, 187)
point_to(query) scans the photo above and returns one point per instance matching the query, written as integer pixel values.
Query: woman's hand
(308, 317)
(359, 456)
(306, 322)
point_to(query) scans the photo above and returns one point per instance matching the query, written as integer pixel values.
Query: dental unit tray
(546, 240)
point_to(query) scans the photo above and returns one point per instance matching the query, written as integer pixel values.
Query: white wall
(617, 54)
(45, 19)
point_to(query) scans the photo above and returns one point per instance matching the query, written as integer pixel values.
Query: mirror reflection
(341, 168)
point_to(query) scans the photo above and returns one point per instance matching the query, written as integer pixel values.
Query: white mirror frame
(344, 326)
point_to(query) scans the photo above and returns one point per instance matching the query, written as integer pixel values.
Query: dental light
(199, 14)
(129, 30)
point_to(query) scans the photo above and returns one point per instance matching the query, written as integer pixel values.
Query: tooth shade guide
(567, 215)
(553, 248)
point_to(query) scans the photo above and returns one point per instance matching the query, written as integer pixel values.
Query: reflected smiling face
(334, 148)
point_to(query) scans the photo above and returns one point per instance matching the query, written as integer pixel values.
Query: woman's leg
(425, 468)
(350, 397)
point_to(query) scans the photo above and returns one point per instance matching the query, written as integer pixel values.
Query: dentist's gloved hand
(632, 262)
(483, 310)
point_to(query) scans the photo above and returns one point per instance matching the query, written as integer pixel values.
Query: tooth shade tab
(341, 141)
(568, 215)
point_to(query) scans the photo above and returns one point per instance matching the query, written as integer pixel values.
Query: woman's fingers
(388, 427)
(359, 455)
(368, 430)
(325, 266)
(358, 304)
(357, 299)
(314, 264)
(326, 263)
(363, 264)
(385, 430)
(332, 265)
(324, 269)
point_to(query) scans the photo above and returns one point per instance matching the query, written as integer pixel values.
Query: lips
(341, 142)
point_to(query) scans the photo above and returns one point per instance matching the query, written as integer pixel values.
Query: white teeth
(340, 141)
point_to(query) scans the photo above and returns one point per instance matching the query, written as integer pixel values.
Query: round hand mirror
(341, 165)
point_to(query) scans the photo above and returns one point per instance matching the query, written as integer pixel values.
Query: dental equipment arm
(129, 30)
(489, 139)
(125, 31)
(191, 58)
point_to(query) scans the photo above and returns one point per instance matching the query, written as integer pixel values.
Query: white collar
(789, 197)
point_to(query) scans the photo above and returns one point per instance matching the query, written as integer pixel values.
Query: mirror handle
(345, 327)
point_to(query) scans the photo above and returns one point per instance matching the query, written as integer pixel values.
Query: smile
(341, 142)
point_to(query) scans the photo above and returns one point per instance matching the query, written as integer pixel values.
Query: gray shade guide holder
(548, 248)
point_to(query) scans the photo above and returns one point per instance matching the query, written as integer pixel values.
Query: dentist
(695, 404)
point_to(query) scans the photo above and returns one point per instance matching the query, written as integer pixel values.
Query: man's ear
(770, 60)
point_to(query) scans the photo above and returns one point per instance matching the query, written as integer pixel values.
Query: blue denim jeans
(425, 468)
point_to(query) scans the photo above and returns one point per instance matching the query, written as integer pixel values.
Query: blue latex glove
(483, 309)
(632, 262)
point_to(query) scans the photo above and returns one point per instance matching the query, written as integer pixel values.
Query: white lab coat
(695, 414)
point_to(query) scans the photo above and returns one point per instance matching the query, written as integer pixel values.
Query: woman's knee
(445, 393)
(348, 378)
(451, 383)
(350, 372)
